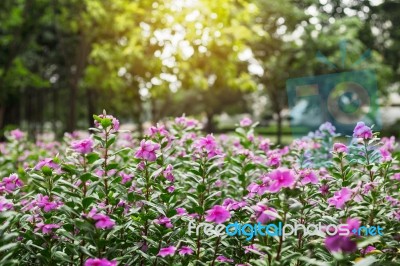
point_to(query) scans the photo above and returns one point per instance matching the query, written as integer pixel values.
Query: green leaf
(366, 262)
(92, 157)
(97, 118)
(106, 122)
(87, 201)
(8, 247)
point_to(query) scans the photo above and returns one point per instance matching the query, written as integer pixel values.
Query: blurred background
(218, 60)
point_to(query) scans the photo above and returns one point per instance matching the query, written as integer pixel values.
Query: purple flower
(340, 198)
(367, 250)
(217, 214)
(5, 204)
(280, 178)
(208, 143)
(327, 127)
(396, 176)
(11, 183)
(245, 122)
(171, 189)
(49, 162)
(324, 189)
(353, 223)
(231, 204)
(167, 173)
(147, 150)
(164, 221)
(46, 228)
(46, 205)
(388, 143)
(103, 221)
(17, 134)
(340, 243)
(308, 176)
(168, 251)
(274, 159)
(84, 146)
(250, 248)
(264, 145)
(186, 122)
(159, 129)
(125, 177)
(114, 122)
(340, 148)
(185, 250)
(100, 262)
(264, 213)
(181, 211)
(224, 259)
(362, 131)
(385, 155)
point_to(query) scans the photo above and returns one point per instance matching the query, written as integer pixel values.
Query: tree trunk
(210, 127)
(90, 106)
(2, 111)
(82, 53)
(279, 128)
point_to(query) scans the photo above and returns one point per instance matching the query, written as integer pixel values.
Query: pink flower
(385, 154)
(103, 221)
(396, 176)
(167, 173)
(353, 224)
(11, 183)
(340, 243)
(208, 143)
(17, 134)
(171, 189)
(308, 176)
(5, 204)
(84, 146)
(367, 250)
(186, 122)
(280, 178)
(125, 177)
(324, 189)
(100, 262)
(250, 248)
(164, 221)
(245, 122)
(264, 145)
(388, 143)
(46, 228)
(264, 213)
(274, 159)
(114, 122)
(217, 214)
(147, 150)
(168, 251)
(159, 129)
(49, 162)
(224, 259)
(340, 148)
(231, 204)
(340, 198)
(362, 131)
(46, 205)
(181, 211)
(185, 250)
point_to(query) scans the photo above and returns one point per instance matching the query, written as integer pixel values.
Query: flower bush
(110, 199)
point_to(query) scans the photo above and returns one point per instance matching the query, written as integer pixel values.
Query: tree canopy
(145, 60)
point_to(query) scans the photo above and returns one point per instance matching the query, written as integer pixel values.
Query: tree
(21, 24)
